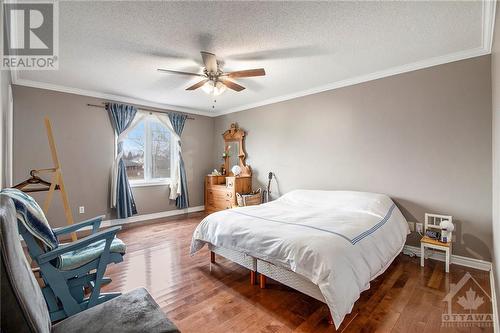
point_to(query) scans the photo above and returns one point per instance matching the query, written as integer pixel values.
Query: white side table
(427, 242)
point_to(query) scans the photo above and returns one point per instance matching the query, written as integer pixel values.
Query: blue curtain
(121, 117)
(178, 121)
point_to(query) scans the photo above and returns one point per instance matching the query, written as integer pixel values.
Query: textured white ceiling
(115, 47)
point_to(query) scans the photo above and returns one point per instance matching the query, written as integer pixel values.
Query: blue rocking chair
(67, 269)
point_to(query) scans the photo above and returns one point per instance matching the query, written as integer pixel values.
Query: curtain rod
(139, 108)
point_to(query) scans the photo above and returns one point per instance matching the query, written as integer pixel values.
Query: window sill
(150, 183)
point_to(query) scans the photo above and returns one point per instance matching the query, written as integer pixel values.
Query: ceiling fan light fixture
(219, 88)
(214, 88)
(215, 80)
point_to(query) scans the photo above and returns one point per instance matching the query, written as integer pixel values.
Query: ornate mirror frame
(235, 134)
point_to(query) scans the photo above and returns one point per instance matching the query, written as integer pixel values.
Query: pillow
(30, 214)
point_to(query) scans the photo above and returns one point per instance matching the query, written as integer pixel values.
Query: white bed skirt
(290, 279)
(277, 273)
(235, 256)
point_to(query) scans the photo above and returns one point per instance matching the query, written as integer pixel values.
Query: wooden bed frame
(266, 269)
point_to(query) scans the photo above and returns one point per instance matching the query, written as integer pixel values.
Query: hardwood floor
(406, 298)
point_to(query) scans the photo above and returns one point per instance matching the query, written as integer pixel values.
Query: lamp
(447, 228)
(214, 88)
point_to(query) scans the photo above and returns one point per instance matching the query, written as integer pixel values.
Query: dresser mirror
(221, 191)
(234, 152)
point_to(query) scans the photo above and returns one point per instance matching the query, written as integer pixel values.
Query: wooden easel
(57, 182)
(57, 179)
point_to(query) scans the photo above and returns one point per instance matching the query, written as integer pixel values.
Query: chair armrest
(94, 222)
(104, 234)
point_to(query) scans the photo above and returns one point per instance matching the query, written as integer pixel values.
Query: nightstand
(435, 222)
(427, 242)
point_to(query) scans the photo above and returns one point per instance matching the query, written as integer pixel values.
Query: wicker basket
(250, 199)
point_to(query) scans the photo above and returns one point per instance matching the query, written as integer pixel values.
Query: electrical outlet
(81, 209)
(420, 227)
(411, 225)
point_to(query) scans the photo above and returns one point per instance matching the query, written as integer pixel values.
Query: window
(147, 153)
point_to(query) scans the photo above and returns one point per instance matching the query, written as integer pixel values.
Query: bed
(326, 244)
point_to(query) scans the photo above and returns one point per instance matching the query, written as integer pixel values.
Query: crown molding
(488, 23)
(331, 86)
(108, 97)
(487, 30)
(462, 55)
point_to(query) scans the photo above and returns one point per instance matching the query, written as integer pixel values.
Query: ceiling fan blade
(197, 85)
(232, 85)
(210, 61)
(247, 73)
(178, 72)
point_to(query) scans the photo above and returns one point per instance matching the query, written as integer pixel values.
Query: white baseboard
(153, 216)
(455, 259)
(141, 218)
(494, 302)
(467, 262)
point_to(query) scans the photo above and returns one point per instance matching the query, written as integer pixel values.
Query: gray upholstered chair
(23, 308)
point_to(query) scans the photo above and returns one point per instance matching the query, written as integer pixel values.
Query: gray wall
(495, 86)
(5, 81)
(84, 139)
(423, 137)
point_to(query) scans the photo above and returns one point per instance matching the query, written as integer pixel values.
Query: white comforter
(339, 240)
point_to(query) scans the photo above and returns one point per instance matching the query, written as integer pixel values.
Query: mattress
(338, 240)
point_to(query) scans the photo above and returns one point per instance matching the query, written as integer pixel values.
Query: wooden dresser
(220, 191)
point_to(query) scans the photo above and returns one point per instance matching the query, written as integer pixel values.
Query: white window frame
(148, 157)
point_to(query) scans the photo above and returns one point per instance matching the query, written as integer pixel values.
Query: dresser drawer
(220, 192)
(218, 195)
(219, 205)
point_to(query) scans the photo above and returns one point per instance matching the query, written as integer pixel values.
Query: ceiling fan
(215, 80)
